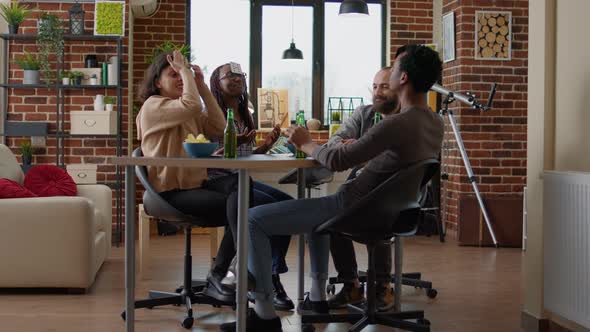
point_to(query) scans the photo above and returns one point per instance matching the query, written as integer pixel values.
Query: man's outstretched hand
(298, 136)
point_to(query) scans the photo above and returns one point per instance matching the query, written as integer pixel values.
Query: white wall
(572, 74)
(558, 83)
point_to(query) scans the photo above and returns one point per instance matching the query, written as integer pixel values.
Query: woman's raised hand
(177, 61)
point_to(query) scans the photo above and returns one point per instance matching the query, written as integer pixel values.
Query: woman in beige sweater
(171, 110)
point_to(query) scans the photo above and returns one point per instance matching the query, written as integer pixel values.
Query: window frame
(318, 32)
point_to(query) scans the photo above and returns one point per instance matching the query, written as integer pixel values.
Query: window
(341, 55)
(353, 54)
(219, 34)
(294, 76)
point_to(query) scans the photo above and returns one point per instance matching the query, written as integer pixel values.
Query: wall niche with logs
(493, 35)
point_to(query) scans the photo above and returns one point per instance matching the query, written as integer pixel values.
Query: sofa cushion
(9, 167)
(49, 180)
(98, 224)
(12, 189)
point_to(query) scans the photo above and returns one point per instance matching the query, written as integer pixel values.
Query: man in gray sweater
(398, 141)
(385, 103)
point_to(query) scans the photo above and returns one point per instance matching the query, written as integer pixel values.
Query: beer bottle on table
(230, 136)
(300, 120)
(376, 118)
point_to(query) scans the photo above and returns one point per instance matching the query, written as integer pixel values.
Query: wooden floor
(479, 290)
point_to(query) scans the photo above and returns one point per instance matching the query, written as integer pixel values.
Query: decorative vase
(65, 81)
(31, 77)
(99, 103)
(93, 81)
(13, 29)
(27, 160)
(108, 107)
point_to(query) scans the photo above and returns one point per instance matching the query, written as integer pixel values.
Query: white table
(244, 164)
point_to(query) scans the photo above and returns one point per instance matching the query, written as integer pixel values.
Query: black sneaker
(347, 295)
(218, 290)
(309, 306)
(255, 324)
(281, 300)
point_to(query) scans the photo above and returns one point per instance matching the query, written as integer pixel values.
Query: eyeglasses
(231, 76)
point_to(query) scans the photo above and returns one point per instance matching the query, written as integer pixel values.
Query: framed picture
(273, 108)
(109, 18)
(493, 35)
(448, 30)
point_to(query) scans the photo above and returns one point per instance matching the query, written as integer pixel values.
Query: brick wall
(411, 23)
(495, 140)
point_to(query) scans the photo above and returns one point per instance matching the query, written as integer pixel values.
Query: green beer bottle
(300, 120)
(376, 118)
(230, 137)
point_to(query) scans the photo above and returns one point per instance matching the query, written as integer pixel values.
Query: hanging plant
(50, 41)
(169, 47)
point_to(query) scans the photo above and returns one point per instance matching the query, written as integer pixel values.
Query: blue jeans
(286, 218)
(264, 194)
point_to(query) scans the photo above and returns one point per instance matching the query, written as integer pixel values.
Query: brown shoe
(347, 295)
(385, 297)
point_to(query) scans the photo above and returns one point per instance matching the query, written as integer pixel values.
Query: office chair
(190, 292)
(397, 200)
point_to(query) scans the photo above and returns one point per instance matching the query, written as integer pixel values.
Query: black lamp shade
(292, 53)
(76, 19)
(353, 7)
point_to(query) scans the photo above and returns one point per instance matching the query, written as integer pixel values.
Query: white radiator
(566, 232)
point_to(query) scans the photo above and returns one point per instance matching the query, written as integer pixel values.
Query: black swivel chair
(397, 201)
(314, 177)
(156, 207)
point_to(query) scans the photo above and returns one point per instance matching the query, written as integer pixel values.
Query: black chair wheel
(179, 289)
(124, 315)
(331, 289)
(234, 307)
(432, 293)
(307, 328)
(216, 306)
(423, 321)
(188, 322)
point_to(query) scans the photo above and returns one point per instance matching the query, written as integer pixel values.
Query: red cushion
(49, 180)
(11, 189)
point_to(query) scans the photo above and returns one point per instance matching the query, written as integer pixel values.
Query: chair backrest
(392, 207)
(153, 204)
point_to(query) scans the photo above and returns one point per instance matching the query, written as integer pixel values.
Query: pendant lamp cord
(292, 19)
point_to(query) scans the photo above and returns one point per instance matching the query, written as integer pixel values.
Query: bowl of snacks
(198, 147)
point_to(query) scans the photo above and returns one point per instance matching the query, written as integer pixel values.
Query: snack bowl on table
(199, 150)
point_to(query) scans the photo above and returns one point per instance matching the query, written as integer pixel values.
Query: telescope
(467, 98)
(471, 100)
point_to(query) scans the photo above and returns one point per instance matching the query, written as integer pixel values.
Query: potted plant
(65, 77)
(109, 103)
(26, 150)
(335, 117)
(14, 14)
(50, 41)
(31, 65)
(168, 47)
(76, 77)
(93, 80)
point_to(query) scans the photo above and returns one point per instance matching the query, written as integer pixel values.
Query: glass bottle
(376, 118)
(300, 121)
(230, 136)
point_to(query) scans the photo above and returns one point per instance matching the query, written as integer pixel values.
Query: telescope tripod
(449, 98)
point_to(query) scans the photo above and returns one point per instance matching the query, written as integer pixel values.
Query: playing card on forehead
(235, 68)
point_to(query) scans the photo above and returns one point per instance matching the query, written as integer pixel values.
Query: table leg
(242, 291)
(301, 247)
(129, 248)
